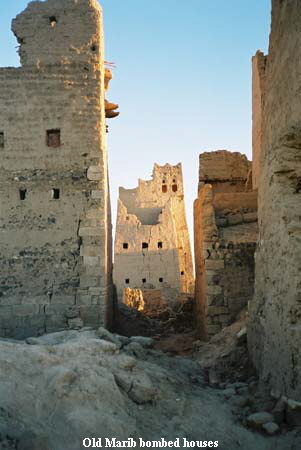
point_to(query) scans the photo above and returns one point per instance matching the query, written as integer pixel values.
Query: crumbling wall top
(59, 32)
(223, 165)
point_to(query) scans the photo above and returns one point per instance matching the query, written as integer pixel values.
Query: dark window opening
(144, 245)
(1, 139)
(163, 181)
(143, 280)
(174, 180)
(23, 193)
(182, 273)
(93, 48)
(125, 245)
(52, 21)
(55, 194)
(127, 281)
(161, 280)
(160, 244)
(174, 187)
(164, 188)
(53, 138)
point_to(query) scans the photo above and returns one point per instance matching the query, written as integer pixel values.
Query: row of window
(161, 280)
(174, 188)
(55, 194)
(53, 138)
(144, 245)
(127, 280)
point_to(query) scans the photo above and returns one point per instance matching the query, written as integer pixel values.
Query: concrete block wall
(55, 268)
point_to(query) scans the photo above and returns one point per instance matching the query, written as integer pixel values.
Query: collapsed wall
(152, 246)
(55, 213)
(274, 333)
(225, 232)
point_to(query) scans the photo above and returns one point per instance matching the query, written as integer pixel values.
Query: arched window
(174, 188)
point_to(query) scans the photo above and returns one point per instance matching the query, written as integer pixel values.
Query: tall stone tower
(274, 331)
(54, 203)
(152, 247)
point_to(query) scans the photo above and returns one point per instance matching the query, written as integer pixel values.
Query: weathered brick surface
(225, 225)
(60, 86)
(154, 214)
(275, 314)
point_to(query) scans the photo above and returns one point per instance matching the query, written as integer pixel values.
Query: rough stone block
(93, 214)
(250, 217)
(83, 300)
(96, 194)
(90, 231)
(213, 289)
(91, 260)
(214, 264)
(217, 310)
(213, 329)
(94, 173)
(235, 219)
(63, 300)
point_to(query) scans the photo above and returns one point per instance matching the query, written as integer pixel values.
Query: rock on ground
(61, 388)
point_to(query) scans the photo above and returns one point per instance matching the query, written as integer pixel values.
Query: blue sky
(183, 80)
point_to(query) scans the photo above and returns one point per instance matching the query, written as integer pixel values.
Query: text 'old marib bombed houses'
(55, 212)
(152, 247)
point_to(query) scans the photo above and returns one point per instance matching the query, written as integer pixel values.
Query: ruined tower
(152, 247)
(274, 332)
(55, 213)
(225, 235)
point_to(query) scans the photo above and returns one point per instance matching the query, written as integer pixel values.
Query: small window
(53, 138)
(161, 280)
(52, 21)
(174, 180)
(163, 181)
(127, 281)
(94, 47)
(182, 273)
(144, 245)
(55, 194)
(23, 193)
(164, 188)
(160, 244)
(1, 139)
(143, 280)
(125, 245)
(174, 188)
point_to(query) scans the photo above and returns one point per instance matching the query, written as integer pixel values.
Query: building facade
(225, 233)
(55, 247)
(152, 246)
